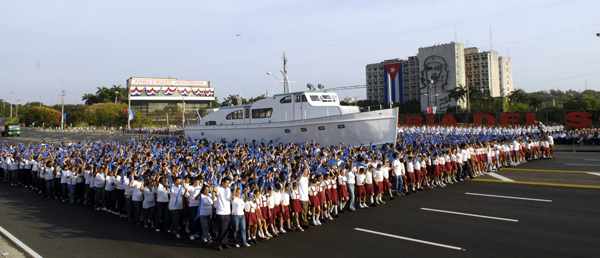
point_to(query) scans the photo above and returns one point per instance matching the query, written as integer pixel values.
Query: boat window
(286, 99)
(262, 113)
(300, 98)
(211, 123)
(247, 112)
(327, 98)
(235, 115)
(314, 98)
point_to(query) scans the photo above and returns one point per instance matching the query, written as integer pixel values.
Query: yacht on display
(298, 117)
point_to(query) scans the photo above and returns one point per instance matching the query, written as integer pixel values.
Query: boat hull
(374, 127)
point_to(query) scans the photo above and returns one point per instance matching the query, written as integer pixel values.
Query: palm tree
(458, 93)
(535, 103)
(89, 99)
(119, 92)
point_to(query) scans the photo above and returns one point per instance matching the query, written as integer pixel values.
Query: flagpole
(128, 106)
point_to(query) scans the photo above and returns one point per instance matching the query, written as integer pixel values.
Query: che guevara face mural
(435, 69)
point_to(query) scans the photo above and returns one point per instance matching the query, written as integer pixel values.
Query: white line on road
(592, 159)
(574, 164)
(503, 178)
(410, 239)
(595, 174)
(509, 197)
(20, 244)
(471, 215)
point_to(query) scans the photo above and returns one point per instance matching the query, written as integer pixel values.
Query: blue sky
(76, 46)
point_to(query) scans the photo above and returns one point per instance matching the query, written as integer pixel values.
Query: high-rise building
(410, 78)
(505, 67)
(482, 70)
(442, 68)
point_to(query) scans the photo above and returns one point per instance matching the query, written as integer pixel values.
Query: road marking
(547, 170)
(595, 174)
(575, 164)
(470, 215)
(538, 183)
(410, 239)
(492, 174)
(20, 244)
(591, 159)
(509, 197)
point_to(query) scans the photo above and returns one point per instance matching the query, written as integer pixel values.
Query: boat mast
(286, 82)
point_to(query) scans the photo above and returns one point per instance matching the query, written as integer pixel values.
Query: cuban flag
(63, 117)
(431, 110)
(210, 92)
(197, 116)
(152, 91)
(129, 113)
(184, 91)
(135, 91)
(393, 83)
(169, 90)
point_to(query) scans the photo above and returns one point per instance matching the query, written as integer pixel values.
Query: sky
(77, 46)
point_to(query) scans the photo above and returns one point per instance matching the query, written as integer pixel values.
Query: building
(505, 67)
(349, 99)
(482, 70)
(442, 68)
(434, 72)
(410, 78)
(151, 95)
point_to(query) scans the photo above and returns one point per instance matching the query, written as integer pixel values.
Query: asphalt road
(563, 222)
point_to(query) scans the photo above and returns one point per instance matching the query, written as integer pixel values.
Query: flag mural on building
(393, 83)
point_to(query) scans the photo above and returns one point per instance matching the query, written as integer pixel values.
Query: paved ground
(563, 221)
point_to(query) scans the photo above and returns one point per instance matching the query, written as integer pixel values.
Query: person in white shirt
(178, 191)
(223, 194)
(303, 193)
(162, 205)
(137, 198)
(99, 184)
(350, 183)
(149, 204)
(49, 171)
(193, 197)
(238, 219)
(207, 200)
(399, 174)
(109, 190)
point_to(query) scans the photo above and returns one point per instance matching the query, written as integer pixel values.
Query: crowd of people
(256, 189)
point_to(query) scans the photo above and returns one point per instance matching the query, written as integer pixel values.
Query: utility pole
(128, 106)
(62, 114)
(286, 82)
(183, 112)
(17, 114)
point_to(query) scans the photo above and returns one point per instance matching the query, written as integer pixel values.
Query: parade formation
(257, 189)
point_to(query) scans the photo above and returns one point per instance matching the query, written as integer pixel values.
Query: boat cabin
(280, 108)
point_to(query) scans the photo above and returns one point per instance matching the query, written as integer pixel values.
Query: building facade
(442, 68)
(378, 88)
(482, 70)
(410, 79)
(505, 67)
(151, 95)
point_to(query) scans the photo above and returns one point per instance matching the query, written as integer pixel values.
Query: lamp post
(11, 104)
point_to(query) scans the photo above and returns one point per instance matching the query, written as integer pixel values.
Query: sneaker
(282, 231)
(157, 230)
(237, 246)
(196, 235)
(104, 209)
(219, 248)
(247, 245)
(177, 236)
(299, 229)
(192, 237)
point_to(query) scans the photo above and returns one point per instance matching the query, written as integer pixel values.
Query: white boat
(298, 117)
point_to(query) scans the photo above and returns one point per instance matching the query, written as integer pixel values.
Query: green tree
(41, 116)
(582, 103)
(252, 100)
(518, 96)
(535, 103)
(458, 94)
